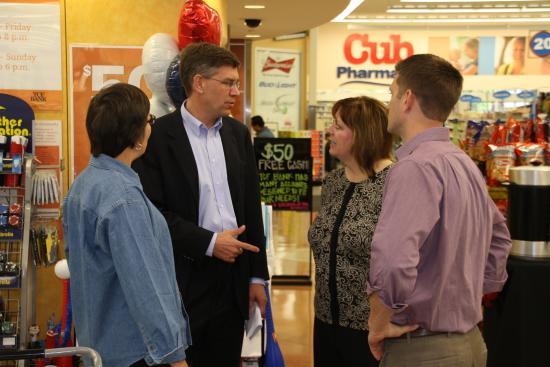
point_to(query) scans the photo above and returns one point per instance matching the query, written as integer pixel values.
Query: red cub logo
(391, 51)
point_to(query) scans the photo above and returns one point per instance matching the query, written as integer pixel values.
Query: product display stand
(515, 326)
(16, 270)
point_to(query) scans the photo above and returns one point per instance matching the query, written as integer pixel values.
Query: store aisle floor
(293, 316)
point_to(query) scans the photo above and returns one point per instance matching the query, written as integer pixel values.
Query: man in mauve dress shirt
(440, 242)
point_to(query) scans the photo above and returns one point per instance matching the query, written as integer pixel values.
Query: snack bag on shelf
(530, 154)
(457, 130)
(480, 147)
(541, 131)
(501, 159)
(526, 131)
(514, 131)
(473, 133)
(500, 133)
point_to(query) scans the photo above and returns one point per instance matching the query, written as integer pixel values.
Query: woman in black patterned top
(341, 235)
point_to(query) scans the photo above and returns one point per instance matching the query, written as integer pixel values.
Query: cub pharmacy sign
(277, 87)
(372, 58)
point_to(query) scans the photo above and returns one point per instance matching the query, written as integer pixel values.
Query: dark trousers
(141, 363)
(340, 346)
(218, 340)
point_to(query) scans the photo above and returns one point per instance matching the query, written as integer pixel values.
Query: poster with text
(47, 147)
(277, 87)
(285, 172)
(92, 67)
(30, 53)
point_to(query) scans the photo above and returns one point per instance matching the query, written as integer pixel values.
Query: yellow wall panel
(123, 22)
(106, 22)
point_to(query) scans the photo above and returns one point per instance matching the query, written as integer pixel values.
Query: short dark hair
(433, 80)
(203, 58)
(257, 121)
(368, 119)
(473, 43)
(116, 119)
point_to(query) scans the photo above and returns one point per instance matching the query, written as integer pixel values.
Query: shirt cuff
(492, 286)
(176, 355)
(210, 249)
(257, 281)
(395, 307)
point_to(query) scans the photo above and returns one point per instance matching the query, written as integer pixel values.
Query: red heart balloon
(198, 23)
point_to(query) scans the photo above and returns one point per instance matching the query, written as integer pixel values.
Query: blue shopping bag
(273, 355)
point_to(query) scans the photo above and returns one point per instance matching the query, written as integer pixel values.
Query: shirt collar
(432, 134)
(195, 124)
(106, 162)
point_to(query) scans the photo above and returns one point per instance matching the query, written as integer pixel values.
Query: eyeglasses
(151, 119)
(228, 83)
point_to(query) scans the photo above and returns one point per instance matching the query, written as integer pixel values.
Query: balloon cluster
(198, 22)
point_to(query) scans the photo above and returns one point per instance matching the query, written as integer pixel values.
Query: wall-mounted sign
(277, 87)
(385, 52)
(351, 61)
(527, 94)
(285, 170)
(540, 44)
(93, 67)
(502, 94)
(16, 118)
(470, 98)
(30, 53)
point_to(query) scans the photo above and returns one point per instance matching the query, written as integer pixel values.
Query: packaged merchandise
(501, 159)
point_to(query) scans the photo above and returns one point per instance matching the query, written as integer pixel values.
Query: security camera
(252, 23)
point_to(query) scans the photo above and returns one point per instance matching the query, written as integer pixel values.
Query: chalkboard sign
(285, 169)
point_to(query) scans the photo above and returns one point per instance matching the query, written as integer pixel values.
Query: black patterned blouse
(340, 238)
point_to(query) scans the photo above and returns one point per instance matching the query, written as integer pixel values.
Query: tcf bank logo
(284, 65)
(359, 49)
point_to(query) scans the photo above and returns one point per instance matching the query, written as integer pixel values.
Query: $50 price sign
(285, 172)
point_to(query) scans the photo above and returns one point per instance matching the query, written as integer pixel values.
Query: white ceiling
(447, 12)
(282, 17)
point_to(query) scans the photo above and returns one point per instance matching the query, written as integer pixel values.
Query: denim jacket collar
(106, 162)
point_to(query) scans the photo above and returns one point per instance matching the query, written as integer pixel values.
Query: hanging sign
(277, 87)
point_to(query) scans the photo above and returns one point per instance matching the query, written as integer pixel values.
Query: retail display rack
(16, 270)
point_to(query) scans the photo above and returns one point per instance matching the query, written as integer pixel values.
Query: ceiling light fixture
(252, 36)
(353, 4)
(451, 20)
(290, 36)
(254, 6)
(477, 10)
(467, 1)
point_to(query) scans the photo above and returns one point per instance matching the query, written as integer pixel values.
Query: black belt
(423, 332)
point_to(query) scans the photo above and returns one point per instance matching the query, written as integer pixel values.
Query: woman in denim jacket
(126, 302)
